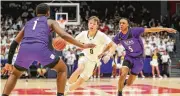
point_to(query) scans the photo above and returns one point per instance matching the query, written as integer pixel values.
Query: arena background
(14, 14)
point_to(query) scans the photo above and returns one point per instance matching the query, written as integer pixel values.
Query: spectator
(104, 28)
(70, 57)
(154, 63)
(40, 71)
(165, 64)
(147, 50)
(162, 48)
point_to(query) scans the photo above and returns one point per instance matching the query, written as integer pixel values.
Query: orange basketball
(59, 43)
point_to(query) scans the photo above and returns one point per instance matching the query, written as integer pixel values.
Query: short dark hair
(128, 21)
(42, 8)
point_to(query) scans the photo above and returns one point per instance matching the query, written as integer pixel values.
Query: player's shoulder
(101, 33)
(82, 33)
(30, 20)
(85, 32)
(36, 18)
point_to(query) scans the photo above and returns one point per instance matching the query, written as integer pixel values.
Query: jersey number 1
(35, 23)
(91, 51)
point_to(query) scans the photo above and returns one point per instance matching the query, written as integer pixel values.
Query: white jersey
(100, 40)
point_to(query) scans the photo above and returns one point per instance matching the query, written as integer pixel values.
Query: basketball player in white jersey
(90, 60)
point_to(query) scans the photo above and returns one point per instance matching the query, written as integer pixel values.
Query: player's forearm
(112, 49)
(106, 49)
(12, 50)
(155, 29)
(71, 40)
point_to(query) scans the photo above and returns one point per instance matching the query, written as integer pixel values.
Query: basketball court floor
(99, 87)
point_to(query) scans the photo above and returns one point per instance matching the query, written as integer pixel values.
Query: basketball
(59, 44)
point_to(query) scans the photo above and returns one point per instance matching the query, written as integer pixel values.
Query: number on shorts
(130, 48)
(91, 51)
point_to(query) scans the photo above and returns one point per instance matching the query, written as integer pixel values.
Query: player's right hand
(7, 69)
(171, 30)
(90, 45)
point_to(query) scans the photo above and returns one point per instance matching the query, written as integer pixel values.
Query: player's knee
(123, 74)
(17, 74)
(60, 66)
(80, 82)
(80, 70)
(129, 83)
(64, 69)
(85, 76)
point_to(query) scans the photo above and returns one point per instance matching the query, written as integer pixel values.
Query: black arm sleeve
(12, 50)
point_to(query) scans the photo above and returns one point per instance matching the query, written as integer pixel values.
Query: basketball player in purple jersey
(34, 46)
(131, 41)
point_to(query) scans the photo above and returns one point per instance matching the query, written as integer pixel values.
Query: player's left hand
(7, 69)
(171, 30)
(3, 71)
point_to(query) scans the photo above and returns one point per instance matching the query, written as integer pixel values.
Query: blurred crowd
(155, 43)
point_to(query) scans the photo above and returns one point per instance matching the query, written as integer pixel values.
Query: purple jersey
(131, 41)
(35, 44)
(36, 31)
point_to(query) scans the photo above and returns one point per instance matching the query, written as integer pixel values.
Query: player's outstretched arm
(111, 47)
(55, 26)
(158, 29)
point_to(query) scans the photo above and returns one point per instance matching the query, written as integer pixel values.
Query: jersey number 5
(130, 48)
(91, 51)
